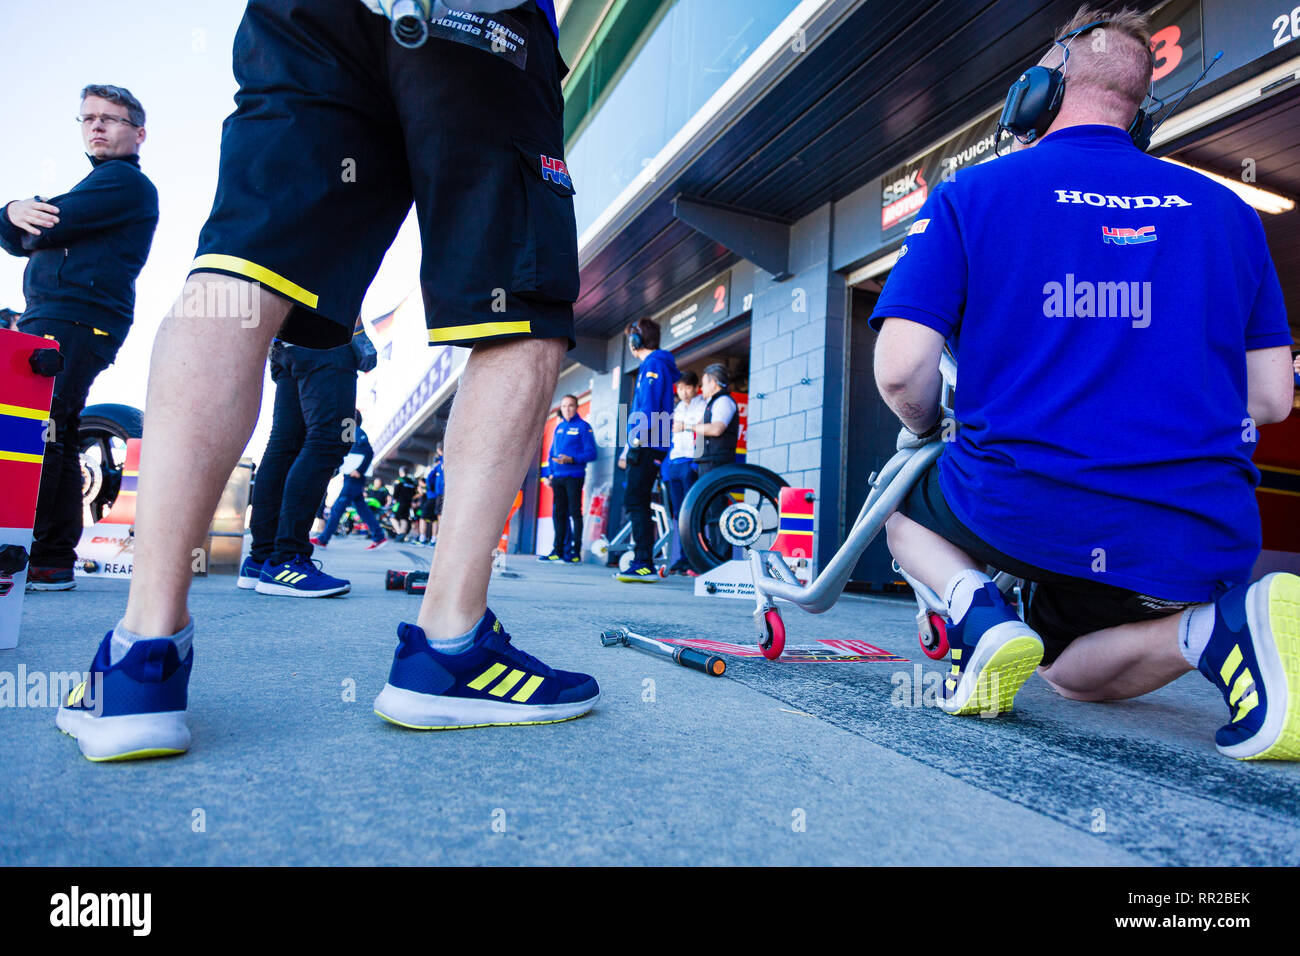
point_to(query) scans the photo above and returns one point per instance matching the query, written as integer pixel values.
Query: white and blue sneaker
(250, 572)
(1253, 657)
(993, 653)
(133, 709)
(491, 684)
(300, 577)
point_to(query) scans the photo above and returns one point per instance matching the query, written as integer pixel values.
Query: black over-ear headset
(1035, 98)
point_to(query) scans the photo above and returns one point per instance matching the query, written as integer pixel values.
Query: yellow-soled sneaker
(638, 572)
(1253, 657)
(491, 684)
(993, 653)
(133, 709)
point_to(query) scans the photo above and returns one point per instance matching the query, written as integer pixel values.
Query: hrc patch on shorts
(555, 171)
(498, 33)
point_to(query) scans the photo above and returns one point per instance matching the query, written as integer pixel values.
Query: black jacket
(84, 269)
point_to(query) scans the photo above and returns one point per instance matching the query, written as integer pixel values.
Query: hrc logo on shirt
(556, 172)
(1121, 236)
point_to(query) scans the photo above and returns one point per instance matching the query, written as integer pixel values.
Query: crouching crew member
(1075, 400)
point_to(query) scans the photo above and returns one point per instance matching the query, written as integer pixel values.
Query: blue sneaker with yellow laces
(1253, 657)
(993, 653)
(133, 709)
(491, 684)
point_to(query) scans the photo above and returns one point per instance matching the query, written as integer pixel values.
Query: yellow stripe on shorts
(483, 330)
(252, 270)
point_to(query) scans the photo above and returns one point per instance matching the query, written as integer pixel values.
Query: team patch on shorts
(554, 170)
(500, 33)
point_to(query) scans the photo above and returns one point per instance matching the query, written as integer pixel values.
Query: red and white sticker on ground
(824, 652)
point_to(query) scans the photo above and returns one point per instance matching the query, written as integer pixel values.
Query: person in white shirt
(719, 429)
(679, 472)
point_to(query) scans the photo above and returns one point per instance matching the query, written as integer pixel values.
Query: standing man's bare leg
(487, 451)
(205, 390)
(456, 667)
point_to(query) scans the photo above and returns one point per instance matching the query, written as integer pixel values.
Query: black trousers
(566, 513)
(315, 396)
(642, 469)
(58, 506)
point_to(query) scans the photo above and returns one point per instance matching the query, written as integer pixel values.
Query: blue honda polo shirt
(1102, 303)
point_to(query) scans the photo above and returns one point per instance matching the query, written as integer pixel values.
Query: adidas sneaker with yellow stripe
(493, 683)
(1253, 657)
(300, 577)
(993, 653)
(638, 572)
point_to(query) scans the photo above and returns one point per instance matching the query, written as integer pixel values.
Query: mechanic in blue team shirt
(573, 446)
(431, 507)
(1121, 335)
(649, 439)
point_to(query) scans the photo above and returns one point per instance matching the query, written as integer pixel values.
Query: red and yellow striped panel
(794, 537)
(123, 510)
(24, 410)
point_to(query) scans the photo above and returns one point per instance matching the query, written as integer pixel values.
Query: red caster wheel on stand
(934, 640)
(775, 642)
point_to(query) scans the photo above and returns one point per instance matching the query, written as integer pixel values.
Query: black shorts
(337, 129)
(402, 512)
(1058, 606)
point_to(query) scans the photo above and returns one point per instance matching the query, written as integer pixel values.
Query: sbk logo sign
(901, 187)
(903, 197)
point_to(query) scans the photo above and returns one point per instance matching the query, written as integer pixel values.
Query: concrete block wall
(796, 376)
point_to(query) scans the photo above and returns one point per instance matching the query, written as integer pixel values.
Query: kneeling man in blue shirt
(1120, 335)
